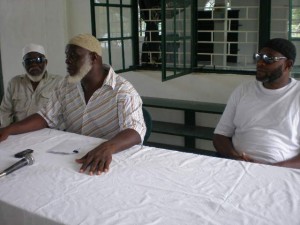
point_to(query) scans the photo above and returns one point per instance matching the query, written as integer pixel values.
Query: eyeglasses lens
(267, 59)
(37, 60)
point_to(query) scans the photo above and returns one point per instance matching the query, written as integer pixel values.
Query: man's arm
(291, 163)
(100, 157)
(31, 123)
(225, 148)
(6, 108)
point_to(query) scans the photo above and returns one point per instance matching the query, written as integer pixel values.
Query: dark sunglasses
(267, 59)
(37, 60)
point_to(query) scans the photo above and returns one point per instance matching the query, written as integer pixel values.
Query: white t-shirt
(263, 123)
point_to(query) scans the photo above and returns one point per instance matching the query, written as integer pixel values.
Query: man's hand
(3, 134)
(30, 123)
(100, 157)
(97, 159)
(246, 158)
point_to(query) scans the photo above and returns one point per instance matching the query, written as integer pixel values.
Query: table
(145, 185)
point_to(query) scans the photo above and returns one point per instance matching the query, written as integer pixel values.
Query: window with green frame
(179, 37)
(114, 23)
(295, 19)
(294, 29)
(176, 38)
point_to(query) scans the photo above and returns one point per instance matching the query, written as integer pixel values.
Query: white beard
(85, 68)
(36, 78)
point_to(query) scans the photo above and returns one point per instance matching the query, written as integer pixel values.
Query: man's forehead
(268, 50)
(33, 55)
(75, 49)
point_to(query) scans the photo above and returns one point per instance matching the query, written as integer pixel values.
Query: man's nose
(68, 60)
(260, 62)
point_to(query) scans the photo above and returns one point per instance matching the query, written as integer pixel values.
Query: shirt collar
(110, 79)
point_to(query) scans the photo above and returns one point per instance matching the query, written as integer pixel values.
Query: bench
(189, 130)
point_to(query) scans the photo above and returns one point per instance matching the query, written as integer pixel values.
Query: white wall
(47, 22)
(32, 21)
(79, 17)
(195, 87)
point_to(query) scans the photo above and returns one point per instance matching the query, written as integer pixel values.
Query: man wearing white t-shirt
(261, 122)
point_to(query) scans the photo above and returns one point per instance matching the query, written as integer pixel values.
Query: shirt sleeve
(52, 111)
(131, 114)
(226, 124)
(6, 107)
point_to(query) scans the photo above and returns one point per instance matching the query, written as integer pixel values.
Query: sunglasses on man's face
(267, 59)
(37, 60)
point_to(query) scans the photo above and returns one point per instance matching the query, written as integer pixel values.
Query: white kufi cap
(87, 41)
(33, 48)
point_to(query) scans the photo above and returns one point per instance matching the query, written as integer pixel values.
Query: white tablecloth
(144, 186)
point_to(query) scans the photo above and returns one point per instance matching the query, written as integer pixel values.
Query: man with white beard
(94, 101)
(27, 93)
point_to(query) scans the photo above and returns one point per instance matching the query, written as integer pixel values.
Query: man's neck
(92, 82)
(277, 84)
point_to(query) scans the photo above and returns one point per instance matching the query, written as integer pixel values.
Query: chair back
(148, 122)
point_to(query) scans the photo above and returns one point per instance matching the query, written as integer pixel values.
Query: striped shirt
(114, 107)
(21, 101)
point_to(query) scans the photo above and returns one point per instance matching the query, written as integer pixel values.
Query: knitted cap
(87, 41)
(285, 47)
(33, 48)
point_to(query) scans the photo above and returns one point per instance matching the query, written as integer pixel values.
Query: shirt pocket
(20, 102)
(44, 98)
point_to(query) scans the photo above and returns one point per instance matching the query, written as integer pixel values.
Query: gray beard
(36, 78)
(85, 68)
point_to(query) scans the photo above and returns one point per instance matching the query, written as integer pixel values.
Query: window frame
(264, 33)
(291, 7)
(134, 29)
(174, 67)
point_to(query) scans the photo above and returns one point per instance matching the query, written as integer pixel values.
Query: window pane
(295, 32)
(295, 23)
(128, 53)
(127, 22)
(279, 19)
(177, 45)
(105, 52)
(101, 22)
(114, 2)
(115, 22)
(126, 2)
(116, 55)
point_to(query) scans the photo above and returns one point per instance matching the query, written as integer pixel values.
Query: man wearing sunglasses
(27, 93)
(261, 122)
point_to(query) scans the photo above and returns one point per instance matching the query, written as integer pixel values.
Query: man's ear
(94, 56)
(289, 63)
